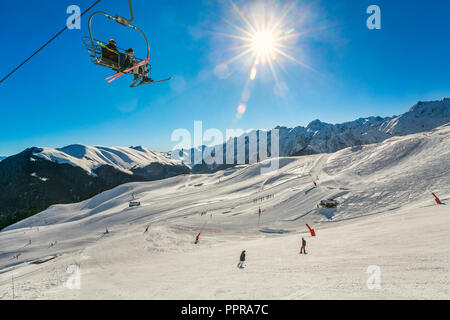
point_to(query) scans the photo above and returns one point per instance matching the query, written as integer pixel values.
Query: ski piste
(119, 74)
(148, 82)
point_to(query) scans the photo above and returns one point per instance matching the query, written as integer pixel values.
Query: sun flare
(264, 38)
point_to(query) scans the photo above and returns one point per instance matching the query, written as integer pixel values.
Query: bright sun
(264, 36)
(266, 33)
(263, 45)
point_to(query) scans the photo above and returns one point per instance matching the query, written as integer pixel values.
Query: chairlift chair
(94, 46)
(133, 203)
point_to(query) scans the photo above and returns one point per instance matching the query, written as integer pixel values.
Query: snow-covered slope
(386, 217)
(90, 158)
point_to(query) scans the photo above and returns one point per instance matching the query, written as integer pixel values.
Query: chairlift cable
(48, 42)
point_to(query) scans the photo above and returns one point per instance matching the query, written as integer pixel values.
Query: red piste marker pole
(438, 201)
(313, 233)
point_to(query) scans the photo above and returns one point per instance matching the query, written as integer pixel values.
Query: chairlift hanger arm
(123, 20)
(120, 20)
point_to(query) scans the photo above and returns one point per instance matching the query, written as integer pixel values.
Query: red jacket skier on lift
(110, 51)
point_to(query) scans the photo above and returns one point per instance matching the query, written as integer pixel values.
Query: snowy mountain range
(319, 137)
(39, 177)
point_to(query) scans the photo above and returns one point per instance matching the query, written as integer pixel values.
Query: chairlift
(96, 50)
(133, 203)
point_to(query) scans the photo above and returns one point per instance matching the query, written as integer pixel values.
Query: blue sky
(61, 98)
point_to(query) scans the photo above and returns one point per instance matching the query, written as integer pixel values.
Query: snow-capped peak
(316, 125)
(320, 137)
(90, 158)
(423, 116)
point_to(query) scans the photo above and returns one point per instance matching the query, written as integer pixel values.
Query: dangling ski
(119, 74)
(134, 82)
(148, 82)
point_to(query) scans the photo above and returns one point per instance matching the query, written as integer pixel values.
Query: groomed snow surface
(386, 218)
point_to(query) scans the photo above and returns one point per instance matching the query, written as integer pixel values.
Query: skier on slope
(303, 249)
(197, 239)
(241, 260)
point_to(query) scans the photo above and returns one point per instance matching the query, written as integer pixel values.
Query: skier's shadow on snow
(309, 190)
(272, 231)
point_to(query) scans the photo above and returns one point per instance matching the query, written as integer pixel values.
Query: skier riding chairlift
(140, 72)
(110, 51)
(113, 57)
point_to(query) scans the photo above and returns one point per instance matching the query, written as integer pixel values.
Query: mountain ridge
(321, 137)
